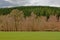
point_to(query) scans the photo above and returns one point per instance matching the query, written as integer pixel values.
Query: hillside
(28, 9)
(30, 18)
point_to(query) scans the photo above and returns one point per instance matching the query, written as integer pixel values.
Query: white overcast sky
(10, 3)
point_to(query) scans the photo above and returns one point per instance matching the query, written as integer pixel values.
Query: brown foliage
(15, 21)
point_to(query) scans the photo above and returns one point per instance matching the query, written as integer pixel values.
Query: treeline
(38, 10)
(15, 21)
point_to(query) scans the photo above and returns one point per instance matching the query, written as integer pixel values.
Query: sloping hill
(30, 18)
(28, 9)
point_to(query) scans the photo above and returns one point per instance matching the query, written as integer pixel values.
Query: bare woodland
(15, 21)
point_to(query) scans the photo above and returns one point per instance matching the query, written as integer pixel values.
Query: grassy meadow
(29, 35)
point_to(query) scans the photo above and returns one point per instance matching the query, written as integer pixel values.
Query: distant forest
(30, 18)
(39, 10)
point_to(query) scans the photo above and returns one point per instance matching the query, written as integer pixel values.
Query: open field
(29, 35)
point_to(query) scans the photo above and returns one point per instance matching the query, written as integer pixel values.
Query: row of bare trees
(15, 21)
